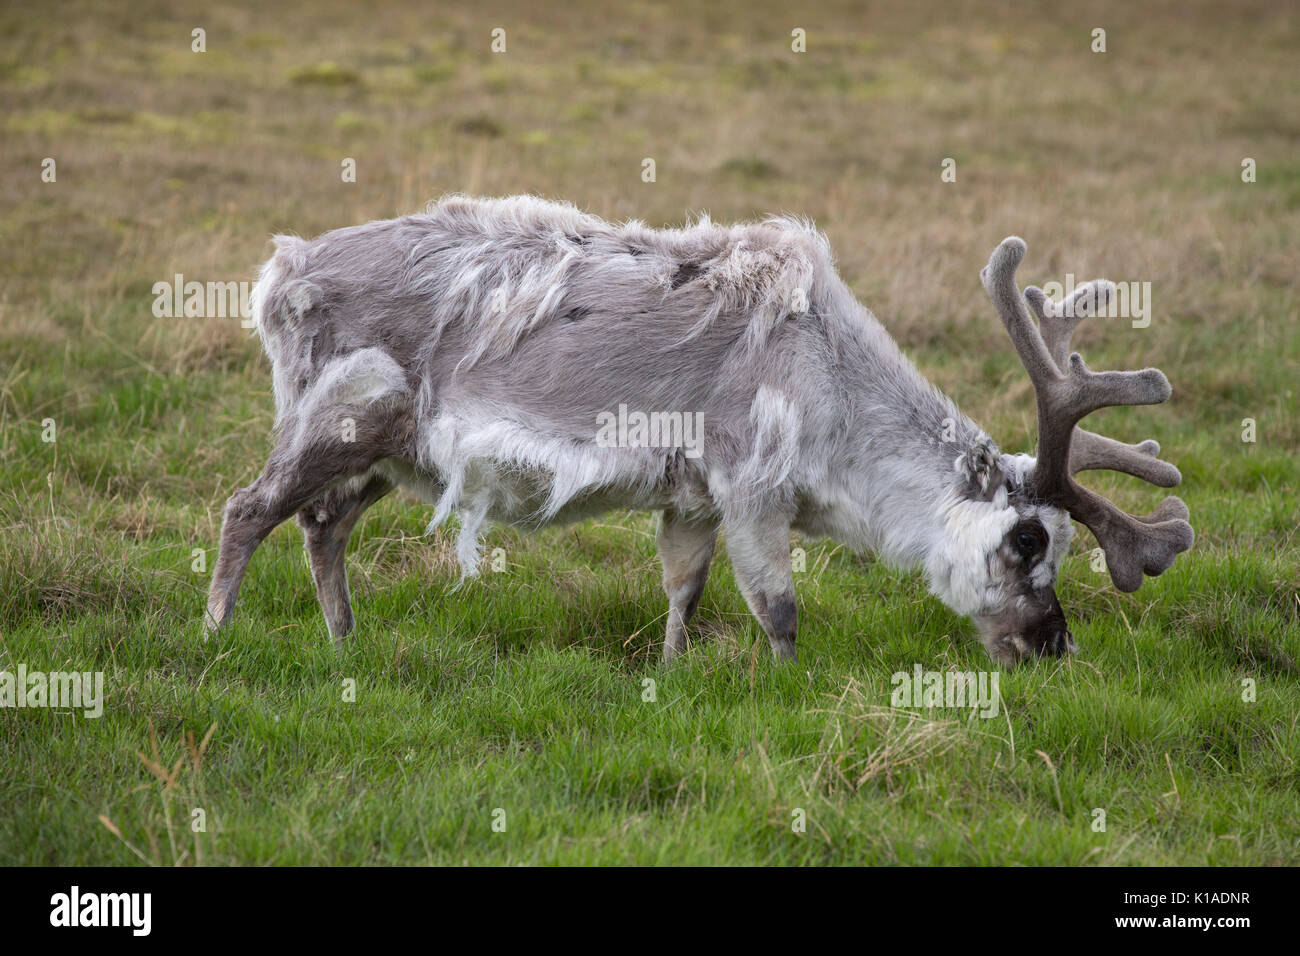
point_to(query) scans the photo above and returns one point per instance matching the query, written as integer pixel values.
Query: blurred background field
(525, 690)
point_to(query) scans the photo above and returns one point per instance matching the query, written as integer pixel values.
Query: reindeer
(467, 355)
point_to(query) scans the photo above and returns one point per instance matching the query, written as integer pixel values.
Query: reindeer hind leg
(310, 458)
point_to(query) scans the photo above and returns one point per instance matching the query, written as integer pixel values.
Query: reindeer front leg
(686, 550)
(760, 554)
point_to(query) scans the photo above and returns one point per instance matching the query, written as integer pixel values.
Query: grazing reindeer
(470, 353)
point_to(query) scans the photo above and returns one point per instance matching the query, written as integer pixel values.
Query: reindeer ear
(979, 470)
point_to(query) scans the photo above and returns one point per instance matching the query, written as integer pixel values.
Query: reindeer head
(1011, 514)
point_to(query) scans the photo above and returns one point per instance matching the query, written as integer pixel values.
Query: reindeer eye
(1029, 539)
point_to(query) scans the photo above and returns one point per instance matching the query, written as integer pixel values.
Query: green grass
(525, 690)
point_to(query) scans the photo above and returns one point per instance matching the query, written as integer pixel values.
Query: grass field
(525, 691)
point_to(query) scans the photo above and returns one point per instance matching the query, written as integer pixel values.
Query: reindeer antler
(1066, 391)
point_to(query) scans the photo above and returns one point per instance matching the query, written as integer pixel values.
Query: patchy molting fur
(498, 330)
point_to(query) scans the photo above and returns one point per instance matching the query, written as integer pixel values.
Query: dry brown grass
(1124, 164)
(866, 742)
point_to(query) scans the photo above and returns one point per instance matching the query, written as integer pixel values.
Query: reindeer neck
(893, 474)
